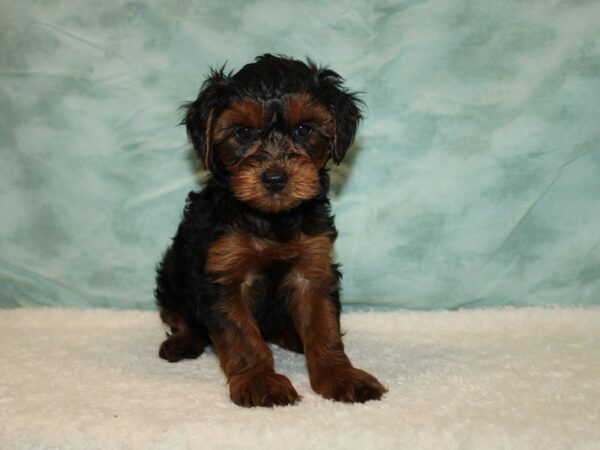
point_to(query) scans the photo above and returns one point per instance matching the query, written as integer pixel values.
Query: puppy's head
(270, 129)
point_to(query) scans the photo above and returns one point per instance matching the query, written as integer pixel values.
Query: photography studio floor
(495, 378)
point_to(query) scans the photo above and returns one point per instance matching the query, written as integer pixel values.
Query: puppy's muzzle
(274, 180)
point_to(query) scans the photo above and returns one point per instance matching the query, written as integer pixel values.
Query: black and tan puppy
(252, 259)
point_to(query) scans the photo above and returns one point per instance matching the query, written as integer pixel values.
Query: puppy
(252, 259)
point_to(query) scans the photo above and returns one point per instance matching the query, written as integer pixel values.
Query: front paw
(347, 384)
(180, 346)
(262, 389)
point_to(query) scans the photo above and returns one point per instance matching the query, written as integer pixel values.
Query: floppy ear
(199, 130)
(200, 114)
(346, 114)
(345, 107)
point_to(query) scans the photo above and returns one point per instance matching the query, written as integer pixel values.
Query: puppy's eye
(245, 134)
(302, 130)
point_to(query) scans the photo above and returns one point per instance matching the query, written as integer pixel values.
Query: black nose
(274, 180)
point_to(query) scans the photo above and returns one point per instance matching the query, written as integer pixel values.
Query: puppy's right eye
(245, 134)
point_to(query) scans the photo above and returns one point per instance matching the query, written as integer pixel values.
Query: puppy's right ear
(200, 114)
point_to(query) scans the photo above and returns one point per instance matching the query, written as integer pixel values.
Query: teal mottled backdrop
(475, 180)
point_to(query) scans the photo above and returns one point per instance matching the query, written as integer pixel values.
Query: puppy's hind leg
(182, 342)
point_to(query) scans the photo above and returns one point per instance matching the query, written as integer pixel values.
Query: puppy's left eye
(303, 130)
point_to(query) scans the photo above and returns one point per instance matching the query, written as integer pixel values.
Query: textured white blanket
(517, 378)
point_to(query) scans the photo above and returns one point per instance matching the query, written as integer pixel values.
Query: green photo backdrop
(474, 181)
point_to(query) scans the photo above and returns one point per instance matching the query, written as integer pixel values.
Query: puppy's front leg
(248, 362)
(244, 356)
(315, 316)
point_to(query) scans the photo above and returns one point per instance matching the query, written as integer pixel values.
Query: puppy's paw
(265, 388)
(180, 346)
(347, 384)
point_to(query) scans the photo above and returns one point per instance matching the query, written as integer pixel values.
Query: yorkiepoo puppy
(252, 259)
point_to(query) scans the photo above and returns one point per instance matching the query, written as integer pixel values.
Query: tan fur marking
(232, 257)
(302, 108)
(246, 113)
(312, 280)
(208, 141)
(237, 256)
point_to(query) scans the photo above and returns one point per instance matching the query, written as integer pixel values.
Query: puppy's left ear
(345, 107)
(347, 116)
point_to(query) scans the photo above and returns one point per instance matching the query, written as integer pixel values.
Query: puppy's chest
(238, 253)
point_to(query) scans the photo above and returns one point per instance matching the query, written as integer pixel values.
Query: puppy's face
(274, 149)
(270, 129)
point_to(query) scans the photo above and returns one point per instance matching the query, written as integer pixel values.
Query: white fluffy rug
(516, 378)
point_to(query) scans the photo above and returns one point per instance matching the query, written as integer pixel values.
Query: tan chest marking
(238, 257)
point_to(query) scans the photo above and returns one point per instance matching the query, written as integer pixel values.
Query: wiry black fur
(182, 284)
